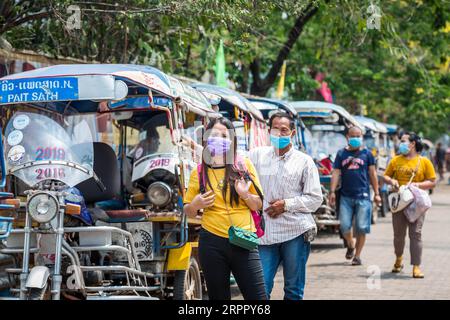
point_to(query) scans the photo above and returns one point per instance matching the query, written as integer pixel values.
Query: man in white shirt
(291, 185)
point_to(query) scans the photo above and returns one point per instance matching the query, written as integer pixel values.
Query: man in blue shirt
(355, 166)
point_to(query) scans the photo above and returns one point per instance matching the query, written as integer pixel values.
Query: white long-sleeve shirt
(294, 178)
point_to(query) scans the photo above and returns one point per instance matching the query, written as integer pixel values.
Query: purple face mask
(218, 145)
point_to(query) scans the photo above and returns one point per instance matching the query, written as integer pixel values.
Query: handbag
(243, 238)
(403, 197)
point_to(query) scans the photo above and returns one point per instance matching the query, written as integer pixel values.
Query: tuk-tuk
(393, 138)
(270, 106)
(326, 127)
(96, 170)
(376, 139)
(250, 125)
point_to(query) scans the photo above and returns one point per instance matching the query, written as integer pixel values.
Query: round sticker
(16, 154)
(139, 152)
(21, 122)
(15, 137)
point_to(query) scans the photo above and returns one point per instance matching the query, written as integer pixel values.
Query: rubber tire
(37, 294)
(180, 279)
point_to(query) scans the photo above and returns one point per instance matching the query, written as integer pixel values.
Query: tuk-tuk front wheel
(188, 283)
(37, 293)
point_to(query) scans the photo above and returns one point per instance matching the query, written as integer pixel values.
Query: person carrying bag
(411, 172)
(228, 240)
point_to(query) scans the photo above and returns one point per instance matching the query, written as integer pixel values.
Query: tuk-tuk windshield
(324, 143)
(154, 138)
(42, 147)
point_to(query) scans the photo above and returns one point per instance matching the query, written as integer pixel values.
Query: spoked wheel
(188, 283)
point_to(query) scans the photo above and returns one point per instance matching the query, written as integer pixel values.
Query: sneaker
(350, 253)
(356, 261)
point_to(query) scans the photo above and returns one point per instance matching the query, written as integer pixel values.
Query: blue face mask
(403, 148)
(280, 142)
(355, 142)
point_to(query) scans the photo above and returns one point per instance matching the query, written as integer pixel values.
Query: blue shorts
(361, 209)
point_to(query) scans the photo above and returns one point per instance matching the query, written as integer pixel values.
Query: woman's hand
(241, 186)
(202, 201)
(395, 184)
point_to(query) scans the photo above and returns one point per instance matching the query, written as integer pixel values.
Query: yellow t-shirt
(215, 219)
(402, 169)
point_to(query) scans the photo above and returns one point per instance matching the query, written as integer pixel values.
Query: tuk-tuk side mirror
(120, 90)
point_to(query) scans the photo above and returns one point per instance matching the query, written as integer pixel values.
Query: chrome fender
(38, 277)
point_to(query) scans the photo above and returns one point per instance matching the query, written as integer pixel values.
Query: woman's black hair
(414, 137)
(228, 181)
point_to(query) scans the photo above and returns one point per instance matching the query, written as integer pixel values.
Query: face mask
(280, 142)
(403, 148)
(218, 145)
(355, 142)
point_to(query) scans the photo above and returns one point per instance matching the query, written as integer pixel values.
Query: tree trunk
(261, 86)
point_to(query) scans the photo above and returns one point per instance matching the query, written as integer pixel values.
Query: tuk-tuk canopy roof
(371, 124)
(231, 96)
(142, 75)
(284, 105)
(190, 96)
(321, 109)
(391, 128)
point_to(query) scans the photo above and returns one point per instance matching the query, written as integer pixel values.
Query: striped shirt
(293, 177)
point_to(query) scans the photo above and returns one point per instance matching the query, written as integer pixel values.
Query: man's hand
(275, 209)
(202, 201)
(332, 199)
(378, 200)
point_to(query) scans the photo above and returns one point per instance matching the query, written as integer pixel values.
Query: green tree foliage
(399, 71)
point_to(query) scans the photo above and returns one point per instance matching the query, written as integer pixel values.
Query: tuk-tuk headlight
(159, 194)
(42, 207)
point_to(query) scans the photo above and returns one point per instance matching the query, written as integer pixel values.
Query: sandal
(398, 265)
(350, 253)
(417, 273)
(356, 261)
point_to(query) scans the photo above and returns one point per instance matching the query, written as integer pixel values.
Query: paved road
(330, 276)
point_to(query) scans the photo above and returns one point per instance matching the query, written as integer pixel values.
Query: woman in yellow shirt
(398, 173)
(227, 201)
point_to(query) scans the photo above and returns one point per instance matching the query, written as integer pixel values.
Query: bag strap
(241, 163)
(201, 178)
(415, 170)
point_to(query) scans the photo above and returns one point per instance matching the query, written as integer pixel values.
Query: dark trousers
(218, 258)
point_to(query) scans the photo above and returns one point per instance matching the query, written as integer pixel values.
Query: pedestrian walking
(226, 201)
(354, 167)
(409, 164)
(439, 159)
(291, 185)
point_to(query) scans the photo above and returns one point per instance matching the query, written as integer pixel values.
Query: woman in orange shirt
(399, 171)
